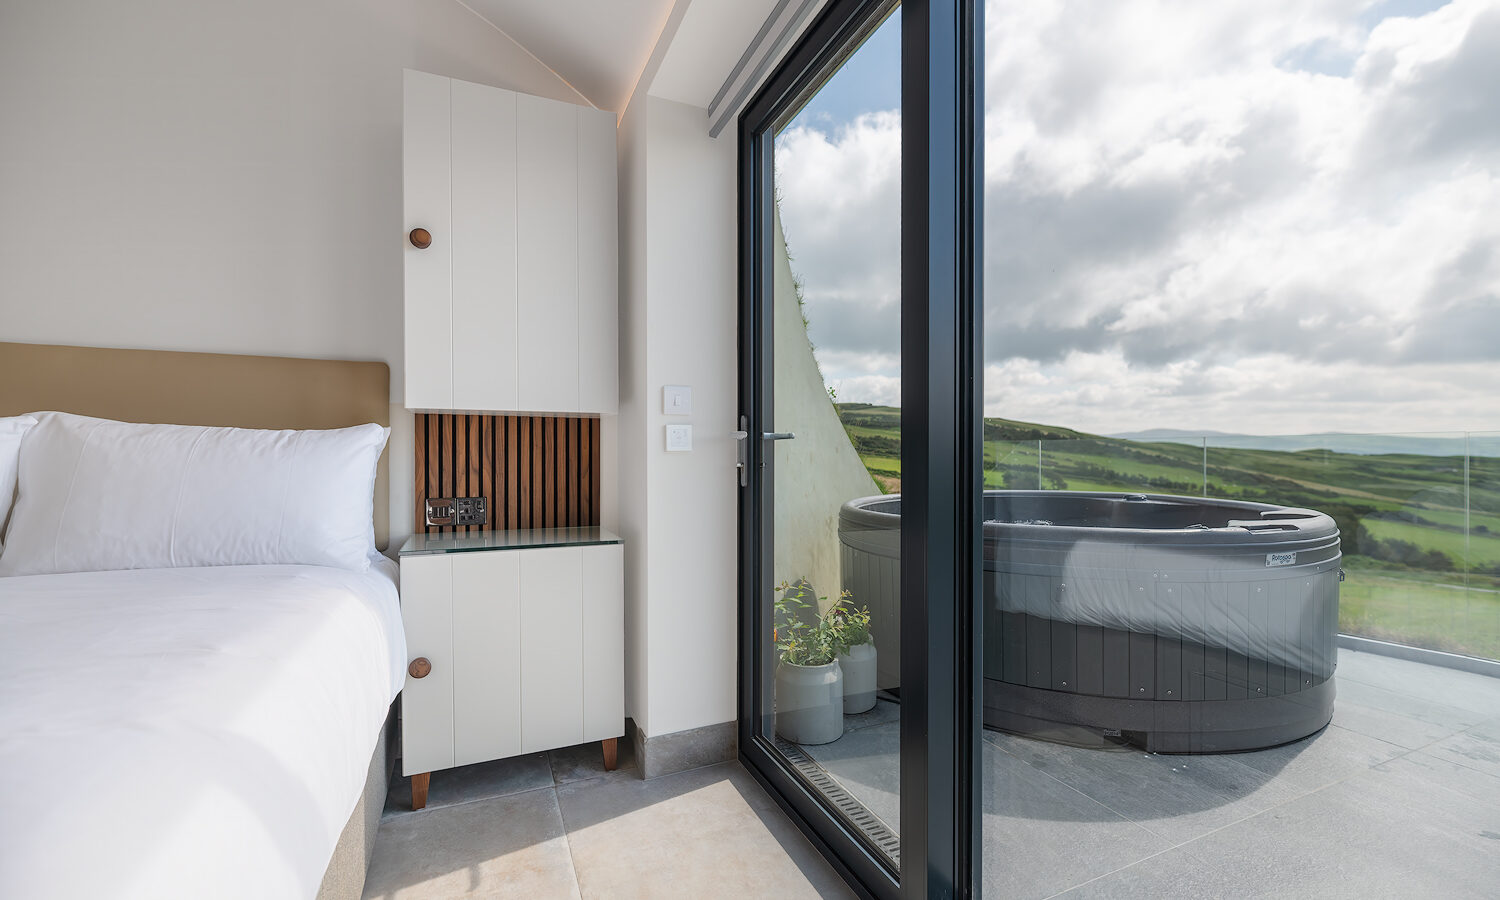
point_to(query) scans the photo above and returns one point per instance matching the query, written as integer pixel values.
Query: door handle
(742, 439)
(742, 451)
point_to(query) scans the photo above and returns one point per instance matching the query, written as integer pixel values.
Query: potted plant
(809, 682)
(856, 656)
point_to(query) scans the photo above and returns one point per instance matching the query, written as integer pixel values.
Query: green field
(1421, 534)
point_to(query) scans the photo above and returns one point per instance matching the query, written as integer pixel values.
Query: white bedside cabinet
(516, 643)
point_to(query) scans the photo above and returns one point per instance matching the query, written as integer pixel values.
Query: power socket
(457, 511)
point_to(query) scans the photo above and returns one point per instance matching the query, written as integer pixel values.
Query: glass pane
(1241, 267)
(836, 476)
(1481, 622)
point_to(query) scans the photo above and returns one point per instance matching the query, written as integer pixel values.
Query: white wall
(222, 176)
(678, 326)
(631, 522)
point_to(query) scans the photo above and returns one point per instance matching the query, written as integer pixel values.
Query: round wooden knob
(420, 238)
(419, 667)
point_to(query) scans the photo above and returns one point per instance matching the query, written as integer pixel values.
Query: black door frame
(941, 416)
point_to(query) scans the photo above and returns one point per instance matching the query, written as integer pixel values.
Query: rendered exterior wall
(819, 470)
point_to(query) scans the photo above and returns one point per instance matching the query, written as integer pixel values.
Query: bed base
(344, 879)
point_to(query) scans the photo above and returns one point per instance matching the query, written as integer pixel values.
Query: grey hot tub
(1177, 623)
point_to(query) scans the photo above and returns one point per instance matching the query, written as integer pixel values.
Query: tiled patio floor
(1399, 797)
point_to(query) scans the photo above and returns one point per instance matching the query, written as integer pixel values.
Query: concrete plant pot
(858, 666)
(810, 702)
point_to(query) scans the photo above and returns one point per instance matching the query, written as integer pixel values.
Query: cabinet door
(551, 648)
(485, 369)
(598, 264)
(547, 253)
(426, 173)
(486, 656)
(427, 703)
(603, 642)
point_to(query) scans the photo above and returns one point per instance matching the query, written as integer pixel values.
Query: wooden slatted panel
(572, 470)
(554, 468)
(420, 442)
(523, 467)
(538, 465)
(586, 480)
(445, 462)
(512, 463)
(533, 471)
(434, 466)
(487, 465)
(460, 461)
(476, 483)
(594, 514)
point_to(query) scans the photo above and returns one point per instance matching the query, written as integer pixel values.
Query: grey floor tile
(1432, 684)
(481, 781)
(1440, 774)
(710, 832)
(1175, 873)
(1403, 731)
(1478, 748)
(1323, 759)
(512, 846)
(1399, 718)
(1176, 797)
(1387, 832)
(587, 761)
(883, 713)
(867, 763)
(1422, 708)
(1042, 836)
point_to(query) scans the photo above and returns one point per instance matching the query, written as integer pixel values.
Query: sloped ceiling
(597, 46)
(707, 46)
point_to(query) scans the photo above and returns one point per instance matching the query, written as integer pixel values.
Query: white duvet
(192, 732)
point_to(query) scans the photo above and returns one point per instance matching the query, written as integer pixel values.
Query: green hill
(1421, 534)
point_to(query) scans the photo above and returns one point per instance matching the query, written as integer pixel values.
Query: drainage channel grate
(877, 831)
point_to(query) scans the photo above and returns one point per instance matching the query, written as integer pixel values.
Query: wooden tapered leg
(610, 746)
(419, 789)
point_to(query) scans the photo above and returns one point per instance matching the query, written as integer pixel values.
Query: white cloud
(1249, 216)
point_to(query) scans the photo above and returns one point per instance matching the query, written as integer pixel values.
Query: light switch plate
(679, 438)
(676, 400)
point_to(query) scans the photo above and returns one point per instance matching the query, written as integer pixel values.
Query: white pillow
(12, 429)
(96, 494)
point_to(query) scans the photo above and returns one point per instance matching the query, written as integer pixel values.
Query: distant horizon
(1274, 220)
(1164, 431)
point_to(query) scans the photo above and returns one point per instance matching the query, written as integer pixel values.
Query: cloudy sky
(1279, 216)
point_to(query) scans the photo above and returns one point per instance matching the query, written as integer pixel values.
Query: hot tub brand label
(1281, 559)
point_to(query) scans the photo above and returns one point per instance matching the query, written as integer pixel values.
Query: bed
(196, 730)
(188, 732)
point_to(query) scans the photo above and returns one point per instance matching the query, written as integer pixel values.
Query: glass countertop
(518, 539)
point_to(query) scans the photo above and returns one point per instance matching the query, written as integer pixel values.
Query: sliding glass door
(859, 443)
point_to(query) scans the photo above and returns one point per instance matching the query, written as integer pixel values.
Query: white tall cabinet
(516, 644)
(512, 306)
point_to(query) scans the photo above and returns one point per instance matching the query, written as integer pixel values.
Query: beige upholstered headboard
(162, 386)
